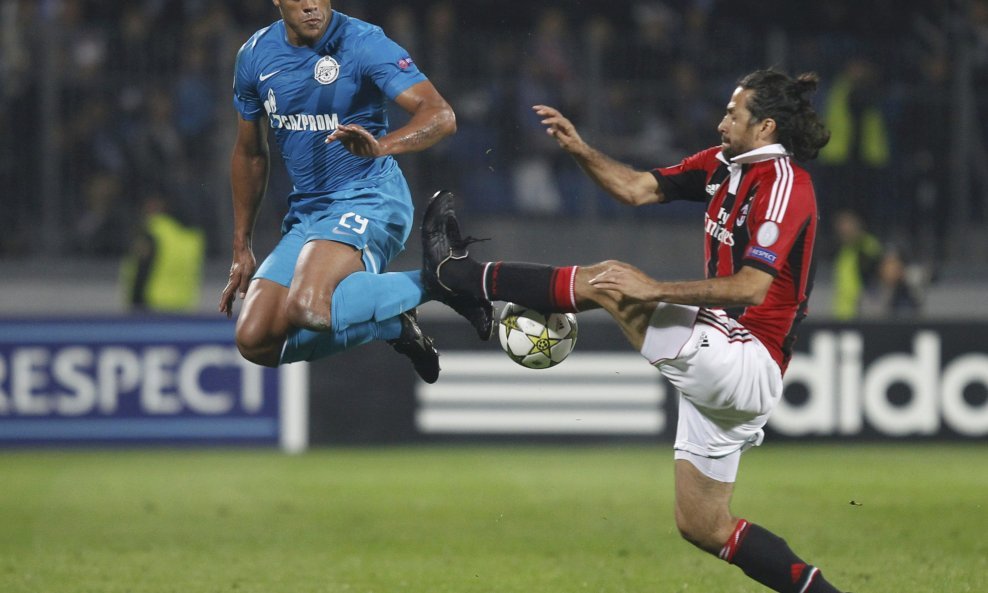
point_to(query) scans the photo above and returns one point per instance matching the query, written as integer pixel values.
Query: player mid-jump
(319, 79)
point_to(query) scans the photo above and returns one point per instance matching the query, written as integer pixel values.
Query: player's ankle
(463, 276)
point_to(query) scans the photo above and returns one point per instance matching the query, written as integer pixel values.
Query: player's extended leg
(272, 310)
(336, 306)
(538, 286)
(333, 305)
(451, 275)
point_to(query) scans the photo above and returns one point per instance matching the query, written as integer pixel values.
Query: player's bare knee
(256, 347)
(605, 299)
(699, 532)
(265, 357)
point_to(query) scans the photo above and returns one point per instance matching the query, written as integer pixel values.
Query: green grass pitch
(477, 519)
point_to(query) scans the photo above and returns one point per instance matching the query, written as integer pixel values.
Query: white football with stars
(535, 340)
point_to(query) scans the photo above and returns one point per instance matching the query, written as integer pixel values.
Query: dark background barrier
(863, 381)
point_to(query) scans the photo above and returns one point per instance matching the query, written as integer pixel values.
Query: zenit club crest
(327, 70)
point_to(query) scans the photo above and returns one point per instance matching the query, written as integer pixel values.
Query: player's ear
(766, 129)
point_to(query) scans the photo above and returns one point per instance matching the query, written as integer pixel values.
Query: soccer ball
(535, 340)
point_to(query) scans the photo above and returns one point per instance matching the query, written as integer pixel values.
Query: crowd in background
(136, 98)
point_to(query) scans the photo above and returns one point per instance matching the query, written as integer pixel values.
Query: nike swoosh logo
(264, 77)
(337, 231)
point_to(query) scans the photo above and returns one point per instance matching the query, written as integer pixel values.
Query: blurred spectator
(194, 103)
(163, 269)
(855, 161)
(130, 89)
(925, 143)
(157, 146)
(855, 264)
(655, 43)
(400, 26)
(696, 114)
(483, 151)
(897, 290)
(19, 109)
(547, 76)
(101, 228)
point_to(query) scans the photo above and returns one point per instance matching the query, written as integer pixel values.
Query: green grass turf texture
(477, 519)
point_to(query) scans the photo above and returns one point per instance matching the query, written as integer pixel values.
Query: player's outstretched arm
(625, 183)
(249, 180)
(432, 120)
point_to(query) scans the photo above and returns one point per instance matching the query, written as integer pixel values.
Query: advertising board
(137, 380)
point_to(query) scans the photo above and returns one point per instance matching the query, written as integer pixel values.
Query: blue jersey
(307, 91)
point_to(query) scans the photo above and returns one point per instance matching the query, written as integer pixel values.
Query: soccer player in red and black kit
(724, 341)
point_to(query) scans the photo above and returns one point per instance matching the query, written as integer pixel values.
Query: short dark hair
(784, 99)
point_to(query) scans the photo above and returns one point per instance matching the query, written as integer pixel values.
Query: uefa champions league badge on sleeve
(768, 234)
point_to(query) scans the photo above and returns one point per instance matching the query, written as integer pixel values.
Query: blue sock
(304, 344)
(363, 296)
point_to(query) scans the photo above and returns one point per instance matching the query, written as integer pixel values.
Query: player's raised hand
(559, 128)
(627, 280)
(241, 271)
(356, 140)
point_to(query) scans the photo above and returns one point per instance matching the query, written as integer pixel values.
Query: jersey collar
(334, 33)
(771, 151)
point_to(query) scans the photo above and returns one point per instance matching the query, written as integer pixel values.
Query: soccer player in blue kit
(320, 80)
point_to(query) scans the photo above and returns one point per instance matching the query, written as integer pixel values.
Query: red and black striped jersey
(761, 212)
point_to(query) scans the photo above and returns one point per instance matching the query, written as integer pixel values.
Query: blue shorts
(376, 220)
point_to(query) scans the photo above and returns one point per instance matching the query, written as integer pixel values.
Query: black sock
(525, 284)
(766, 558)
(464, 276)
(540, 287)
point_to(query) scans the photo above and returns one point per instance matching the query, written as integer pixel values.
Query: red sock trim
(796, 571)
(491, 291)
(733, 542)
(563, 289)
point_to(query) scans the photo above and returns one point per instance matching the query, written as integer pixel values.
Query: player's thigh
(262, 323)
(321, 266)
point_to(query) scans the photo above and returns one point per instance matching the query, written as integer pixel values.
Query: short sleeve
(245, 97)
(688, 179)
(781, 211)
(388, 64)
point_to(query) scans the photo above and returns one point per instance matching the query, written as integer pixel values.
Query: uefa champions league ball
(535, 340)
